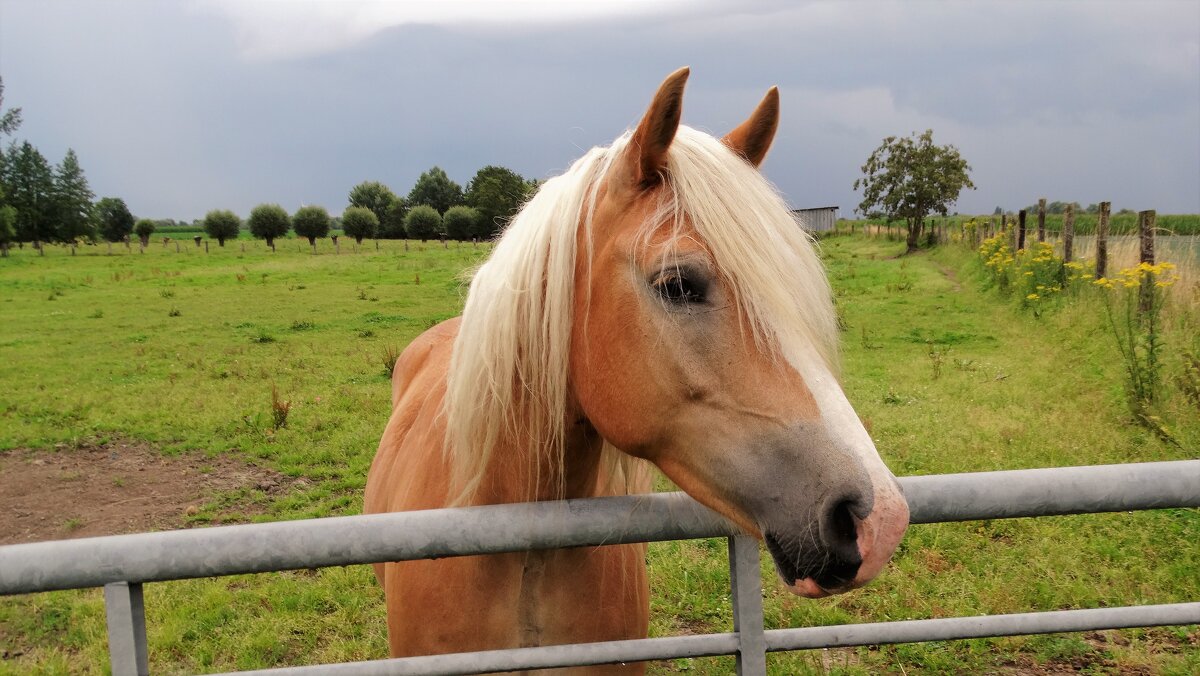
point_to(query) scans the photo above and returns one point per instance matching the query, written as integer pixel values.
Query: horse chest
(533, 597)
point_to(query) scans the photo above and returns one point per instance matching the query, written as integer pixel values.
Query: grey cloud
(1065, 100)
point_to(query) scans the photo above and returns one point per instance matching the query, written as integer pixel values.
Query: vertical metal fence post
(126, 628)
(745, 579)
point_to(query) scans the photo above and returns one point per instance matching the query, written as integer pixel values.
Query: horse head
(704, 341)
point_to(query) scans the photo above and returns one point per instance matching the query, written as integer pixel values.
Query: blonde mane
(508, 377)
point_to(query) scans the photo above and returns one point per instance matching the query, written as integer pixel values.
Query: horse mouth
(813, 571)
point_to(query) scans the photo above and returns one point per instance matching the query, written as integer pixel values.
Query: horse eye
(679, 289)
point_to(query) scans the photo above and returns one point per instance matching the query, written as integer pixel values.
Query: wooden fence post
(1146, 221)
(1020, 230)
(1102, 240)
(1146, 235)
(1068, 232)
(1042, 219)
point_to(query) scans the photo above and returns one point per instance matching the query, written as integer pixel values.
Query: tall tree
(10, 119)
(497, 194)
(373, 195)
(29, 188)
(908, 178)
(311, 222)
(434, 188)
(72, 211)
(392, 225)
(8, 232)
(221, 224)
(269, 221)
(114, 219)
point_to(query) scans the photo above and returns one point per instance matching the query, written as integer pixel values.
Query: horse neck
(515, 474)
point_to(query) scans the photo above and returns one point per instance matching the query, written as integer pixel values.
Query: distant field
(180, 350)
(1085, 224)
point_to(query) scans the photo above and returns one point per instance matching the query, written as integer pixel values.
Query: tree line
(44, 203)
(434, 208)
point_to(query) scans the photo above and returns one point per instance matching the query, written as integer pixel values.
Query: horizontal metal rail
(709, 645)
(436, 533)
(122, 563)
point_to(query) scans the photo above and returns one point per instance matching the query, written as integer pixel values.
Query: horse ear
(647, 155)
(753, 137)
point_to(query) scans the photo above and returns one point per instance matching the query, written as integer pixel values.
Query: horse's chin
(808, 588)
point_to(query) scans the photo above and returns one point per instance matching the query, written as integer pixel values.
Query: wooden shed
(817, 219)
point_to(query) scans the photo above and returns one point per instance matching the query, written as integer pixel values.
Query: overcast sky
(184, 106)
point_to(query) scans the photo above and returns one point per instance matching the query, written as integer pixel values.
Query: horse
(654, 305)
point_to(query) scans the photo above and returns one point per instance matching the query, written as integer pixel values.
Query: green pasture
(182, 350)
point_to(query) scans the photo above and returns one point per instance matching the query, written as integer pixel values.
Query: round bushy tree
(311, 222)
(268, 221)
(359, 222)
(423, 222)
(222, 224)
(144, 228)
(459, 222)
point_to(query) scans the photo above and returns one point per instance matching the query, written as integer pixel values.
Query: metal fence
(122, 563)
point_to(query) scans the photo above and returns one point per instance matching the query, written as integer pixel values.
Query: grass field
(182, 350)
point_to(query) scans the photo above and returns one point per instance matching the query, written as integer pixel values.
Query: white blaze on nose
(882, 529)
(840, 421)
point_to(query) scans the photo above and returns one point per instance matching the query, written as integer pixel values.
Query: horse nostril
(838, 529)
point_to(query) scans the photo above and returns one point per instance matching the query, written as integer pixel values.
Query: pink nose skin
(878, 537)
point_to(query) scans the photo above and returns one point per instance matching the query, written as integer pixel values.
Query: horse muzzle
(849, 543)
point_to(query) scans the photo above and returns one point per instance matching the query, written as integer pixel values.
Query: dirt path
(950, 275)
(117, 487)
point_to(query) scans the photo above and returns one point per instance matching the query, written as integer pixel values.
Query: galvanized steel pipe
(336, 541)
(910, 631)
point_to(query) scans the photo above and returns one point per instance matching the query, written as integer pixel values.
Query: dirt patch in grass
(120, 487)
(950, 275)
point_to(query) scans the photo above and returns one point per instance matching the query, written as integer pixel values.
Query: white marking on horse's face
(881, 530)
